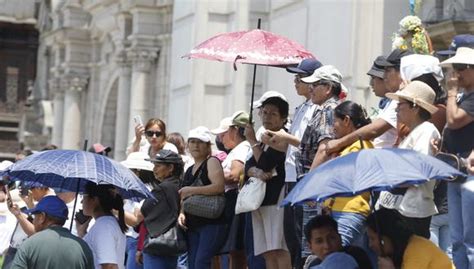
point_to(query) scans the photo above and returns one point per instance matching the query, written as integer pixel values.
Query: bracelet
(452, 95)
(255, 145)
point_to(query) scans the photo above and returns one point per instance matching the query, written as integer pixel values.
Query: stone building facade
(102, 62)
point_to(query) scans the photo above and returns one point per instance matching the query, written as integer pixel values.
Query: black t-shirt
(270, 159)
(461, 141)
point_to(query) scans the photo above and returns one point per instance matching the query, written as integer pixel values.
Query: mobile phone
(9, 197)
(138, 120)
(81, 218)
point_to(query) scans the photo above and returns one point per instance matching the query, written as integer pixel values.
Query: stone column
(72, 113)
(122, 121)
(139, 95)
(58, 110)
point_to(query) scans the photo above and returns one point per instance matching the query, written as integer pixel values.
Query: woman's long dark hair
(109, 199)
(390, 224)
(354, 111)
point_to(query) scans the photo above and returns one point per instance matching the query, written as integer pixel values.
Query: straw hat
(463, 56)
(418, 93)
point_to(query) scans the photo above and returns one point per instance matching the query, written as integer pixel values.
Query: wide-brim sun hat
(137, 160)
(418, 93)
(202, 133)
(463, 55)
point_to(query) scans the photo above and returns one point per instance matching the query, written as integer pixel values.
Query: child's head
(322, 235)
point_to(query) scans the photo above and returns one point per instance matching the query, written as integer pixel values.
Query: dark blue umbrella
(368, 170)
(72, 169)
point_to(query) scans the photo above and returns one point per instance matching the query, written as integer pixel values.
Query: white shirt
(130, 206)
(71, 214)
(239, 153)
(303, 115)
(417, 202)
(107, 242)
(388, 114)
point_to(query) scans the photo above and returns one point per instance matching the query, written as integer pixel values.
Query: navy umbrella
(72, 169)
(368, 170)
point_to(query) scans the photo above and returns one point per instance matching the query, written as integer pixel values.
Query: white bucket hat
(326, 72)
(136, 160)
(463, 56)
(418, 93)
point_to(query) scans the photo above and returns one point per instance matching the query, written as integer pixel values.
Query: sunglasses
(151, 133)
(461, 67)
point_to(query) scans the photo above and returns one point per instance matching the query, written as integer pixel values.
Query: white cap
(202, 133)
(266, 95)
(136, 160)
(415, 65)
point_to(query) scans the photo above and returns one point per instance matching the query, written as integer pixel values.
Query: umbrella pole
(77, 193)
(253, 81)
(377, 224)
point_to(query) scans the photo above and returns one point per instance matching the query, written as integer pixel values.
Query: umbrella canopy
(369, 169)
(65, 169)
(251, 47)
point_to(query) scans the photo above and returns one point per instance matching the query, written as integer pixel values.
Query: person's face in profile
(324, 241)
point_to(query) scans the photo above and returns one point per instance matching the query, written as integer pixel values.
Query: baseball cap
(166, 156)
(305, 67)
(52, 206)
(239, 118)
(458, 42)
(394, 58)
(267, 95)
(377, 69)
(201, 132)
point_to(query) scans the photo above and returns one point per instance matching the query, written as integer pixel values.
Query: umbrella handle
(377, 225)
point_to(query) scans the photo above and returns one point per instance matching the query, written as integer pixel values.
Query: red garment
(142, 232)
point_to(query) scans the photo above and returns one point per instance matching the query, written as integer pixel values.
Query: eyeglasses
(151, 133)
(461, 67)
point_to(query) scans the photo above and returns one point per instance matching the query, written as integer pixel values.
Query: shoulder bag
(205, 206)
(170, 243)
(251, 195)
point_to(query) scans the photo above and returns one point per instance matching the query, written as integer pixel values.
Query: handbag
(205, 206)
(454, 161)
(170, 243)
(251, 195)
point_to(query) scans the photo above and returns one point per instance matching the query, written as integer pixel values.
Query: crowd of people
(426, 106)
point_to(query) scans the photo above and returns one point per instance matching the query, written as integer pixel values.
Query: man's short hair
(319, 222)
(55, 220)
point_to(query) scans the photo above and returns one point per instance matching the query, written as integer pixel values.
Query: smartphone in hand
(81, 218)
(9, 197)
(138, 120)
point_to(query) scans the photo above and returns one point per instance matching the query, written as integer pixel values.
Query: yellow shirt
(356, 204)
(421, 253)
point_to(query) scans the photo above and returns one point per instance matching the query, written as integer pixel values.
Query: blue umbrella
(368, 170)
(72, 169)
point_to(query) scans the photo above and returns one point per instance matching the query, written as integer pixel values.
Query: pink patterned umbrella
(255, 47)
(251, 47)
